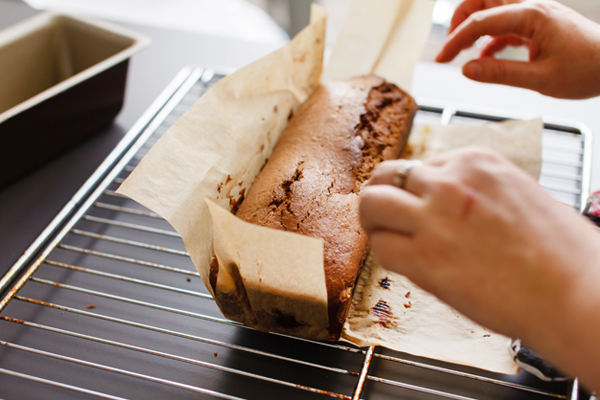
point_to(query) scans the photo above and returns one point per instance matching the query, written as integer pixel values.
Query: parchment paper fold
(214, 151)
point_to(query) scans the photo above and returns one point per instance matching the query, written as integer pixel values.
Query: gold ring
(401, 176)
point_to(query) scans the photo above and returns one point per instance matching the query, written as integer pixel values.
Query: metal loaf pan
(62, 79)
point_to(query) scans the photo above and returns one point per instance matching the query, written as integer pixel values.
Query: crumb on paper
(385, 283)
(487, 335)
(408, 305)
(407, 295)
(188, 279)
(215, 354)
(90, 306)
(383, 311)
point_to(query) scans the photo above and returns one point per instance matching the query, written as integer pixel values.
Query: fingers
(468, 7)
(397, 253)
(497, 21)
(528, 75)
(385, 173)
(498, 44)
(392, 251)
(384, 207)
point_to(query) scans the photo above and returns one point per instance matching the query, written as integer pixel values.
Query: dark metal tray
(107, 304)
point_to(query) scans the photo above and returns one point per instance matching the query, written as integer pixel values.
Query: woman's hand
(482, 235)
(564, 46)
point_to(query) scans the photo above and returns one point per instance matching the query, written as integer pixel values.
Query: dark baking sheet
(113, 307)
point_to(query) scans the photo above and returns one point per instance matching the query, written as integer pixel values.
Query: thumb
(512, 73)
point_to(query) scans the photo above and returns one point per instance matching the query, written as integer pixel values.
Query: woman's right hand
(473, 229)
(564, 46)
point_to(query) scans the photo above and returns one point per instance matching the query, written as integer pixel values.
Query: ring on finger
(401, 175)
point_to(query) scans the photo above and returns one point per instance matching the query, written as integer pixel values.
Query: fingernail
(472, 70)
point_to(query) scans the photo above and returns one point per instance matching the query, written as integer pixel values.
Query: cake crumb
(90, 306)
(487, 335)
(407, 295)
(188, 279)
(215, 354)
(383, 311)
(385, 283)
(408, 305)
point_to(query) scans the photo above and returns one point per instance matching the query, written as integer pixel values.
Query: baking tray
(62, 79)
(107, 304)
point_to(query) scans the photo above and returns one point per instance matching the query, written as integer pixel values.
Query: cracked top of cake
(325, 156)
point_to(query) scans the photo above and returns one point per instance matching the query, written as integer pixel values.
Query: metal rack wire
(112, 307)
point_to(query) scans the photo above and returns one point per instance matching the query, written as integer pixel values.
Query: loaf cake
(312, 181)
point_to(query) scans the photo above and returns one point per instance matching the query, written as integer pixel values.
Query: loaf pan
(62, 79)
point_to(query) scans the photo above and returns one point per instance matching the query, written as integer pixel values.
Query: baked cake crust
(312, 181)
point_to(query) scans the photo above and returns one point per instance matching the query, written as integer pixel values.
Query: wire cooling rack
(107, 304)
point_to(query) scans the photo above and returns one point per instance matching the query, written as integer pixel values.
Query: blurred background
(267, 21)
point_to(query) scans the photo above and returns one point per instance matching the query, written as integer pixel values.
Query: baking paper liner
(201, 167)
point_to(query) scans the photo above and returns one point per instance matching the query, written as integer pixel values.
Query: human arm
(564, 46)
(484, 237)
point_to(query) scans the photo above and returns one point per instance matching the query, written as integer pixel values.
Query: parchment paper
(382, 37)
(413, 321)
(519, 141)
(215, 151)
(257, 271)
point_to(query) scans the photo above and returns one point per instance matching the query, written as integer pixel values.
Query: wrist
(567, 333)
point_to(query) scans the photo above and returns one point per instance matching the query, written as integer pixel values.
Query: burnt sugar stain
(385, 283)
(383, 311)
